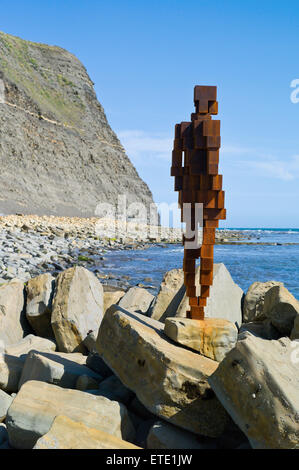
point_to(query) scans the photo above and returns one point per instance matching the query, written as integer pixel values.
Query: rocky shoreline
(32, 245)
(85, 366)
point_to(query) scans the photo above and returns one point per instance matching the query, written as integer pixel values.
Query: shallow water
(246, 263)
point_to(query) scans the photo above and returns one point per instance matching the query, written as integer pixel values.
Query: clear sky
(145, 58)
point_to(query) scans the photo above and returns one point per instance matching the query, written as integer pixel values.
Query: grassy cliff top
(50, 76)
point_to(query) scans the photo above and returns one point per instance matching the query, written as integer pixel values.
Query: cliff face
(58, 154)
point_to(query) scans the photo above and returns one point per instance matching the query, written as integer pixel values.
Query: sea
(268, 254)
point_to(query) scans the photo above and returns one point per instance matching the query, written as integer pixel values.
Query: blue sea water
(246, 263)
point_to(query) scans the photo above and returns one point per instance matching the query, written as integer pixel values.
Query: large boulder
(13, 324)
(68, 434)
(137, 299)
(166, 436)
(77, 308)
(40, 291)
(33, 410)
(5, 402)
(212, 337)
(171, 293)
(225, 299)
(28, 343)
(170, 381)
(253, 308)
(258, 385)
(281, 307)
(10, 372)
(54, 368)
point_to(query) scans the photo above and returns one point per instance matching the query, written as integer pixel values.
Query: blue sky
(145, 58)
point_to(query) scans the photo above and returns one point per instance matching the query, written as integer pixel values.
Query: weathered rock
(263, 329)
(136, 299)
(33, 410)
(12, 314)
(85, 382)
(224, 302)
(77, 308)
(10, 372)
(212, 337)
(5, 402)
(69, 434)
(113, 389)
(112, 297)
(90, 341)
(55, 369)
(28, 343)
(166, 436)
(169, 380)
(295, 330)
(40, 291)
(258, 384)
(97, 364)
(170, 295)
(281, 307)
(253, 309)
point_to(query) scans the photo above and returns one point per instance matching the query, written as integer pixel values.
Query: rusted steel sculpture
(195, 160)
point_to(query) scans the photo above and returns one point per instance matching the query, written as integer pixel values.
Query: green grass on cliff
(55, 94)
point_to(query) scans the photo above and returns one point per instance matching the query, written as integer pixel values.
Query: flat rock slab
(28, 343)
(77, 308)
(33, 410)
(68, 434)
(170, 381)
(258, 384)
(56, 369)
(212, 337)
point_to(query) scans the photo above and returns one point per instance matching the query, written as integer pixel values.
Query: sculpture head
(205, 99)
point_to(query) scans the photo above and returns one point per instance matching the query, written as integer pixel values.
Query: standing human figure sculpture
(195, 160)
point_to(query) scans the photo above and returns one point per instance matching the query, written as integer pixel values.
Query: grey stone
(37, 404)
(136, 299)
(55, 368)
(12, 315)
(281, 307)
(258, 384)
(253, 309)
(10, 372)
(77, 308)
(39, 304)
(28, 343)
